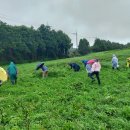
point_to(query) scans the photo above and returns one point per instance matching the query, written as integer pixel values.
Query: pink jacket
(96, 67)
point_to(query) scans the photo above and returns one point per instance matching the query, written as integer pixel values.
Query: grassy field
(67, 100)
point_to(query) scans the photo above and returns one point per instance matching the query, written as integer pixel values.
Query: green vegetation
(67, 100)
(103, 45)
(84, 47)
(21, 43)
(24, 44)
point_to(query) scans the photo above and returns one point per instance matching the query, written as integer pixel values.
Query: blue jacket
(44, 68)
(75, 66)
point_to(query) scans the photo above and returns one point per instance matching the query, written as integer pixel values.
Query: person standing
(12, 72)
(96, 67)
(115, 62)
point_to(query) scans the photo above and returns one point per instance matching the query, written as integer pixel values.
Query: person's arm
(87, 68)
(16, 70)
(117, 60)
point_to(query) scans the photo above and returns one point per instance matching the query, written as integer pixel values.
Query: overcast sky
(105, 19)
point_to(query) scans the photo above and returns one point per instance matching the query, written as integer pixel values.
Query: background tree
(84, 47)
(127, 45)
(103, 45)
(73, 52)
(21, 43)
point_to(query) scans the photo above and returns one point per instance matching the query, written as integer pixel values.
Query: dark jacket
(74, 66)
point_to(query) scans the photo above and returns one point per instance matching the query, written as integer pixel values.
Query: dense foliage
(84, 47)
(67, 100)
(103, 45)
(99, 45)
(21, 43)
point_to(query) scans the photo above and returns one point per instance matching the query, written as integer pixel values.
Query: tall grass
(67, 99)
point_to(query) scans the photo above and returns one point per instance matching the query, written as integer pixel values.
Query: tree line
(98, 46)
(21, 43)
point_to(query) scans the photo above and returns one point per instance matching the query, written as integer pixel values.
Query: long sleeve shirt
(88, 68)
(96, 67)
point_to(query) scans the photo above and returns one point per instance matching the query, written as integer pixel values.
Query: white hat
(114, 55)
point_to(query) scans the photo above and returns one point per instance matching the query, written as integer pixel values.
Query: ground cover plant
(67, 100)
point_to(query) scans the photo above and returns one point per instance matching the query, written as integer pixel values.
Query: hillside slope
(66, 99)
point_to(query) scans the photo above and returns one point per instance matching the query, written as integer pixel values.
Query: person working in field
(44, 69)
(88, 69)
(96, 67)
(115, 62)
(12, 73)
(74, 66)
(3, 76)
(128, 62)
(84, 62)
(0, 82)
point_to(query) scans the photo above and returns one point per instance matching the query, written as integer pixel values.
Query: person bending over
(74, 66)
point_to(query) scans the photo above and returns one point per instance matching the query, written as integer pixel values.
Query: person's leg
(15, 79)
(0, 82)
(43, 74)
(97, 76)
(12, 79)
(118, 68)
(13, 82)
(46, 73)
(113, 67)
(92, 74)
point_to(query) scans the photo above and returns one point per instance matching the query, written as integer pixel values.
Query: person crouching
(74, 66)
